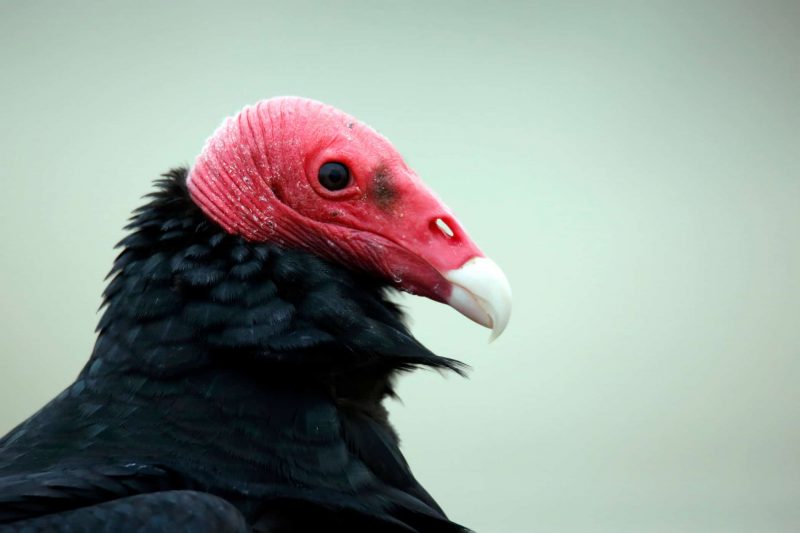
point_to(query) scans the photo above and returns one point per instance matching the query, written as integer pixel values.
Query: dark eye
(334, 176)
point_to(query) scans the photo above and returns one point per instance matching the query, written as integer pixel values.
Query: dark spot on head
(335, 213)
(350, 125)
(382, 189)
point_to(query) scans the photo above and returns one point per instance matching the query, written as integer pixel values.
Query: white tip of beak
(481, 292)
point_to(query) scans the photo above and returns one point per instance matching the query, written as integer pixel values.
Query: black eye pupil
(334, 176)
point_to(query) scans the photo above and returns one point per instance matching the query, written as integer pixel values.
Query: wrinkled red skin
(257, 177)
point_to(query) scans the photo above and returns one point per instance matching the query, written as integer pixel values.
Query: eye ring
(334, 176)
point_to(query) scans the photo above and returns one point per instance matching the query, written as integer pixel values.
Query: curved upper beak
(481, 292)
(436, 258)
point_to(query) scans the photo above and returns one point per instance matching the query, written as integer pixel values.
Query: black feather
(233, 385)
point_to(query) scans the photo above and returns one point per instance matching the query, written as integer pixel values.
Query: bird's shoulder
(29, 494)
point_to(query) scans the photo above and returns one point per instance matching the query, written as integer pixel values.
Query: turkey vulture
(247, 343)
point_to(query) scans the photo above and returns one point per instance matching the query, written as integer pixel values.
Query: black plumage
(233, 386)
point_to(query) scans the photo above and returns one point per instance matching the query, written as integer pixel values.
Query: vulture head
(303, 174)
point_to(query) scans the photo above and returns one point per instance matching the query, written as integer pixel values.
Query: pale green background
(634, 167)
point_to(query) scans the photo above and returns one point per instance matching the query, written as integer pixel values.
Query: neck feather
(186, 295)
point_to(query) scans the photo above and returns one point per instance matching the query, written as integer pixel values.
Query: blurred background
(633, 166)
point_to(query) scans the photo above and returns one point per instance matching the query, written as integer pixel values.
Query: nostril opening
(444, 226)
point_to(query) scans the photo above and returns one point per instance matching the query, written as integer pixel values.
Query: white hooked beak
(481, 292)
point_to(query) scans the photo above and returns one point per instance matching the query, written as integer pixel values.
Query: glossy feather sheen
(233, 386)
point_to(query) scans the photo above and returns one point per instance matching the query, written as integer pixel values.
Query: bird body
(236, 384)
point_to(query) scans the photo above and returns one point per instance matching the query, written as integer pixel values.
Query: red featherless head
(304, 174)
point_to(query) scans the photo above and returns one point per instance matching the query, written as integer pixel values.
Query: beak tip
(496, 332)
(482, 293)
